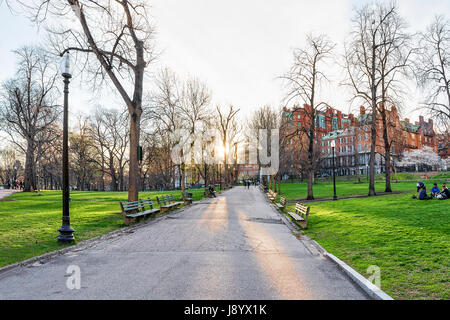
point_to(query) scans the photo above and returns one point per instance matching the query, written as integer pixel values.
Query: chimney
(417, 123)
(406, 120)
(430, 121)
(421, 119)
(362, 110)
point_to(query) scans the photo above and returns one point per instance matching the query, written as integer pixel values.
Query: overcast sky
(238, 47)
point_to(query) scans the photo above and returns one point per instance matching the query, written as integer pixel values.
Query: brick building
(443, 145)
(353, 137)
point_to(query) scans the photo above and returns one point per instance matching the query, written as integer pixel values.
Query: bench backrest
(187, 195)
(136, 205)
(162, 200)
(171, 198)
(283, 201)
(302, 210)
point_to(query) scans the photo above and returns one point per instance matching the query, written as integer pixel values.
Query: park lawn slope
(408, 239)
(29, 223)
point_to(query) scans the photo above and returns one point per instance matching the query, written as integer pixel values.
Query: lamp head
(65, 65)
(333, 143)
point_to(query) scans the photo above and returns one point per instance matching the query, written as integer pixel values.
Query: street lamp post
(333, 145)
(65, 231)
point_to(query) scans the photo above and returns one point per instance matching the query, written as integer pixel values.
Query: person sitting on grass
(423, 194)
(435, 190)
(420, 186)
(445, 194)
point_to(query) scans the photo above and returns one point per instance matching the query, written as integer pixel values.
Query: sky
(238, 48)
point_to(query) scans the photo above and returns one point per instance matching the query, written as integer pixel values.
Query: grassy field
(408, 239)
(324, 190)
(29, 223)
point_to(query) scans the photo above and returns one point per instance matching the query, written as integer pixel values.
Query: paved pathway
(7, 192)
(231, 247)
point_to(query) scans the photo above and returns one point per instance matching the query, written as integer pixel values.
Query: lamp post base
(66, 234)
(335, 198)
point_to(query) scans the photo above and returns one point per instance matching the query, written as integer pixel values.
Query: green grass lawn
(408, 239)
(324, 190)
(29, 223)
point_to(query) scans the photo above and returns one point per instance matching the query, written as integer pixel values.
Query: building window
(335, 124)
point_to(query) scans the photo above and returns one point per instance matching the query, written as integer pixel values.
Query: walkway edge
(371, 289)
(368, 287)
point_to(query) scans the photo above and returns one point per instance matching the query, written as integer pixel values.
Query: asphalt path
(232, 247)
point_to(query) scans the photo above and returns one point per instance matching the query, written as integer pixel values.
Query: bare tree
(163, 116)
(8, 161)
(303, 82)
(228, 129)
(113, 41)
(110, 135)
(194, 113)
(433, 69)
(362, 57)
(83, 154)
(266, 118)
(393, 64)
(28, 107)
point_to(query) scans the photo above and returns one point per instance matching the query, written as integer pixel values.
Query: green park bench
(271, 195)
(172, 200)
(282, 204)
(188, 197)
(135, 210)
(167, 203)
(300, 215)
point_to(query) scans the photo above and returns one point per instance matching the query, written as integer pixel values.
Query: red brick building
(353, 137)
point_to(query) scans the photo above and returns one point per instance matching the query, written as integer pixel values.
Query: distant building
(443, 145)
(353, 138)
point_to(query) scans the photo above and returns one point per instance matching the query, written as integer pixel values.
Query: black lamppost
(66, 232)
(333, 145)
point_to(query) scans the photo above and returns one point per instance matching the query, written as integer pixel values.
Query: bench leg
(128, 221)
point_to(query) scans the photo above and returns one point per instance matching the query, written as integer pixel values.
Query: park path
(232, 247)
(7, 192)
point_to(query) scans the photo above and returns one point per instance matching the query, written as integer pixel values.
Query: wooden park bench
(282, 204)
(172, 200)
(167, 203)
(187, 197)
(271, 195)
(135, 210)
(300, 215)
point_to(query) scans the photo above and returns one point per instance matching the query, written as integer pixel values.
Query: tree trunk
(183, 177)
(133, 185)
(310, 175)
(30, 180)
(279, 184)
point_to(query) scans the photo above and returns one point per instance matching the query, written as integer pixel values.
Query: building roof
(410, 127)
(333, 135)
